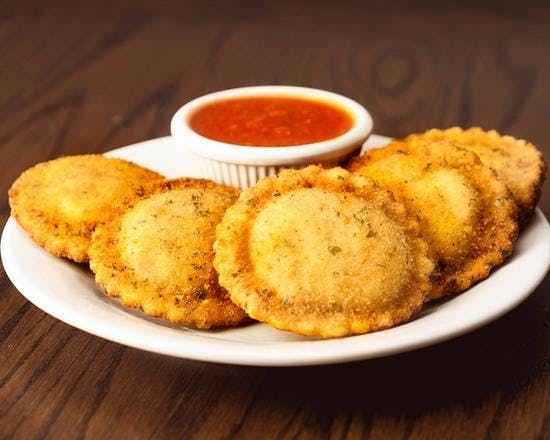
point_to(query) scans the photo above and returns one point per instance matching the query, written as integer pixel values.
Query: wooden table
(77, 79)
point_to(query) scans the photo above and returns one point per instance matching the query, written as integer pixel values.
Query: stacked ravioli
(470, 190)
(147, 239)
(318, 252)
(334, 253)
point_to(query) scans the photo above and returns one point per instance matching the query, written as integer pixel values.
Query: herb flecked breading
(60, 202)
(518, 163)
(322, 253)
(468, 216)
(156, 253)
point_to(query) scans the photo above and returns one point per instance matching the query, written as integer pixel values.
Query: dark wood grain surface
(88, 78)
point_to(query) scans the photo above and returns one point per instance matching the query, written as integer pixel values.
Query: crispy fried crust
(322, 253)
(468, 216)
(519, 164)
(60, 202)
(156, 253)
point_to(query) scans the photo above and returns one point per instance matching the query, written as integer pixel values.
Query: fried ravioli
(467, 215)
(156, 253)
(60, 202)
(322, 253)
(519, 164)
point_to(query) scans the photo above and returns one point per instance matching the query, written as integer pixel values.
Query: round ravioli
(518, 164)
(322, 253)
(468, 217)
(60, 202)
(156, 253)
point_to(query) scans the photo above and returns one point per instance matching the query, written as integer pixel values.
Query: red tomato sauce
(270, 121)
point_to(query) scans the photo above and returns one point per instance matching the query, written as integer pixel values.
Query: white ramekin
(243, 166)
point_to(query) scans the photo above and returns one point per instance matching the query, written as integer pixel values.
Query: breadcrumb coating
(518, 163)
(468, 217)
(60, 202)
(155, 253)
(322, 253)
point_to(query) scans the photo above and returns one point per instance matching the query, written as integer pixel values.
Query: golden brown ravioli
(468, 217)
(156, 253)
(60, 202)
(322, 253)
(519, 164)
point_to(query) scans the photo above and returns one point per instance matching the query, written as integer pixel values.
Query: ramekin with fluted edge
(242, 166)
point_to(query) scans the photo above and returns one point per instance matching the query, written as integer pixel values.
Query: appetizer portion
(319, 252)
(60, 202)
(155, 253)
(518, 164)
(322, 253)
(467, 216)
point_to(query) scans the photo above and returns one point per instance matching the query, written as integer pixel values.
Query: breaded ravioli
(468, 217)
(156, 253)
(60, 202)
(322, 253)
(519, 164)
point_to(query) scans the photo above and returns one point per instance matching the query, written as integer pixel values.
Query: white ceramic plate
(67, 291)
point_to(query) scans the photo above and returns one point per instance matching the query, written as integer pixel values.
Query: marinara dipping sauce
(270, 121)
